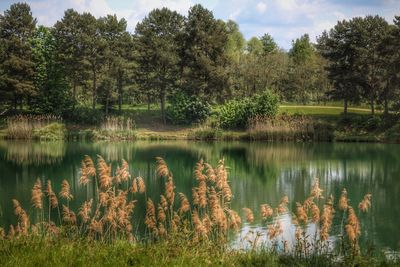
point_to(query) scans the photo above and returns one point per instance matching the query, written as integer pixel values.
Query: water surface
(259, 173)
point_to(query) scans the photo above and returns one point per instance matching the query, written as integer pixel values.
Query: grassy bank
(294, 123)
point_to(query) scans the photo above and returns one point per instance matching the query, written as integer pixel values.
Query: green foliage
(16, 65)
(85, 116)
(53, 91)
(50, 132)
(157, 45)
(236, 113)
(266, 104)
(203, 55)
(186, 110)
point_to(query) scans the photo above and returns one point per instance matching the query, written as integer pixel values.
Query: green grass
(38, 251)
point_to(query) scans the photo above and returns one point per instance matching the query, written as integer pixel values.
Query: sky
(285, 20)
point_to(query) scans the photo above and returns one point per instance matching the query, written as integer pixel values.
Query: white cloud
(261, 7)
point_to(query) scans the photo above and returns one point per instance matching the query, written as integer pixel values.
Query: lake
(259, 173)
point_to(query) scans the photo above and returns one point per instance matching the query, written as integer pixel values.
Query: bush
(187, 110)
(86, 116)
(266, 104)
(373, 123)
(52, 131)
(236, 113)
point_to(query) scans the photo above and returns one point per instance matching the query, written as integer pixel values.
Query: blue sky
(285, 20)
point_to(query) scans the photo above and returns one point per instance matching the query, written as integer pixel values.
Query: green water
(259, 173)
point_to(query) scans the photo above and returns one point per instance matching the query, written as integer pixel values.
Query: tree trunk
(345, 106)
(107, 107)
(94, 90)
(372, 104)
(120, 92)
(163, 100)
(386, 104)
(73, 95)
(15, 102)
(148, 102)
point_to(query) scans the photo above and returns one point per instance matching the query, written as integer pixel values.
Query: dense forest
(83, 62)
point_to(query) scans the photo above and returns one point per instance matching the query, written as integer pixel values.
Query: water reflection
(259, 173)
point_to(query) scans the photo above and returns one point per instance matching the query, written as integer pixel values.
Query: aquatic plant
(209, 217)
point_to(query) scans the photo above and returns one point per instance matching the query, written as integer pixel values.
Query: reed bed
(24, 126)
(116, 128)
(286, 128)
(204, 217)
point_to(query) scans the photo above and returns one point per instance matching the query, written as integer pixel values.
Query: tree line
(86, 61)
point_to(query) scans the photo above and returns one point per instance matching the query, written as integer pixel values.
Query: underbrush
(46, 127)
(288, 128)
(115, 128)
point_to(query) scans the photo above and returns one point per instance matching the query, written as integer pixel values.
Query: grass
(64, 252)
(179, 230)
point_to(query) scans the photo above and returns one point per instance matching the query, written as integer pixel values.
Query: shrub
(373, 123)
(186, 110)
(52, 131)
(236, 113)
(393, 134)
(266, 104)
(86, 116)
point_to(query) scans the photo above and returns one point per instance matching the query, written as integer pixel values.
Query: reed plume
(65, 192)
(51, 195)
(315, 213)
(150, 219)
(37, 195)
(2, 233)
(274, 230)
(234, 220)
(249, 215)
(169, 190)
(23, 218)
(69, 216)
(198, 171)
(164, 202)
(161, 214)
(343, 201)
(85, 211)
(84, 179)
(134, 187)
(91, 169)
(365, 203)
(162, 168)
(282, 207)
(141, 185)
(316, 191)
(185, 205)
(266, 211)
(353, 228)
(326, 219)
(301, 213)
(105, 178)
